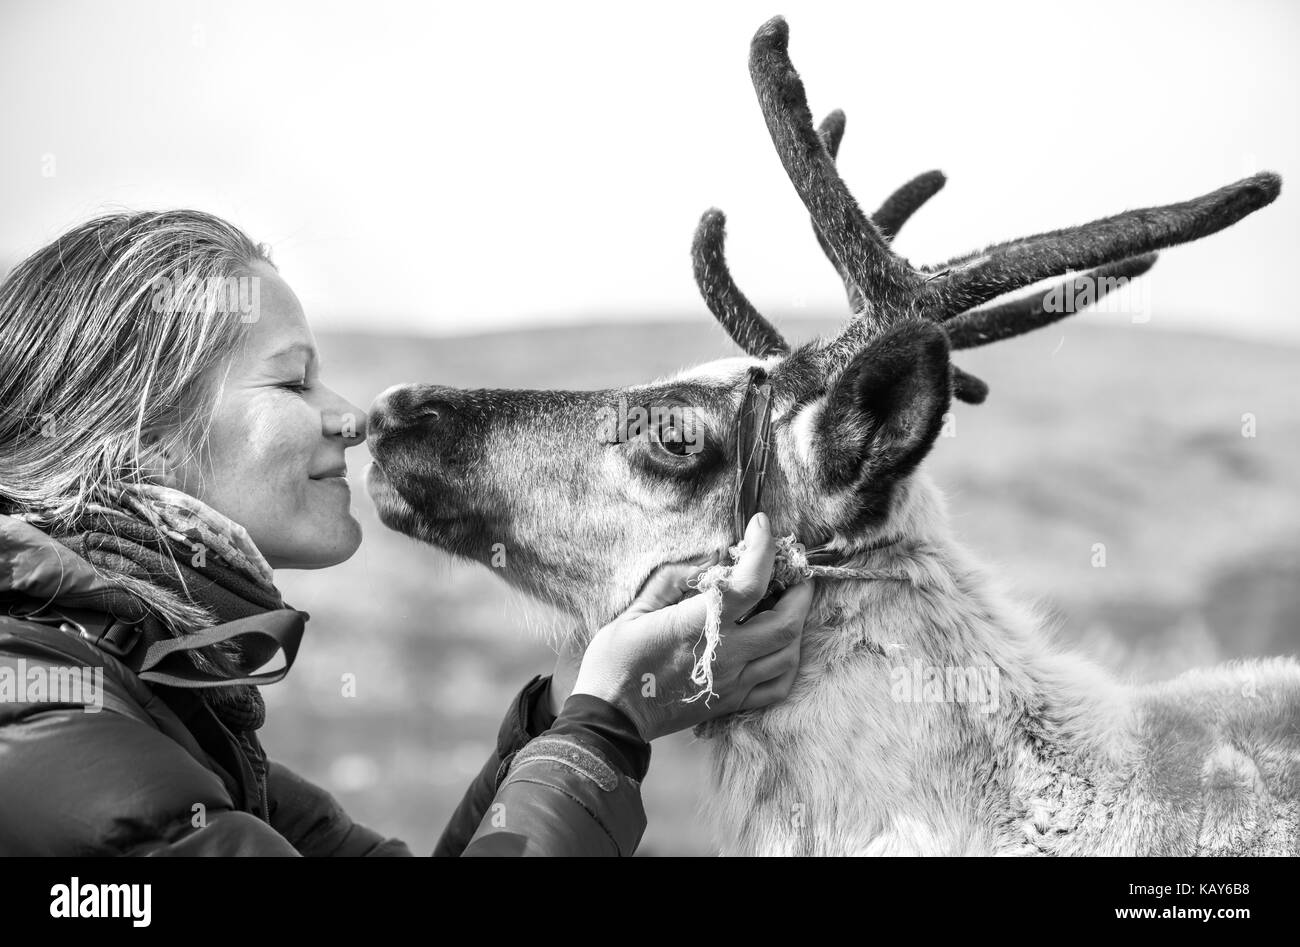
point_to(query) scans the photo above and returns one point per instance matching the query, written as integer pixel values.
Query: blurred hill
(1121, 435)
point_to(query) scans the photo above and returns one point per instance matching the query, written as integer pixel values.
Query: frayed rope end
(790, 567)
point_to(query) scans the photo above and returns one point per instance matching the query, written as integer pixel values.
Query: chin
(322, 549)
(347, 545)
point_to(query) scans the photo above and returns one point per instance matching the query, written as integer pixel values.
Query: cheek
(257, 462)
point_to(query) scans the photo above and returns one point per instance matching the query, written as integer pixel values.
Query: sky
(441, 168)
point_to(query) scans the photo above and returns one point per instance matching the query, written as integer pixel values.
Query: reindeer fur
(1070, 761)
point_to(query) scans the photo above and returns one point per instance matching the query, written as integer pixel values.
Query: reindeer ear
(884, 411)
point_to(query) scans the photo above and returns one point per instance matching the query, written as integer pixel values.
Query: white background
(441, 168)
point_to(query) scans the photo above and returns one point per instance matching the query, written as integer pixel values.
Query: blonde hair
(108, 335)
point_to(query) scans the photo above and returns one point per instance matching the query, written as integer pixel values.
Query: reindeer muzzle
(420, 437)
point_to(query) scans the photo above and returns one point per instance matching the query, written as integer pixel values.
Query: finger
(667, 585)
(752, 573)
(794, 604)
(772, 691)
(770, 666)
(769, 632)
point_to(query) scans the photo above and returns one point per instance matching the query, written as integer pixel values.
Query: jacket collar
(35, 566)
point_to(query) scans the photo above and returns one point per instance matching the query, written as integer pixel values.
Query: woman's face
(274, 458)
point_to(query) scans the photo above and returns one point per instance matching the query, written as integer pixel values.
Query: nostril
(392, 408)
(410, 408)
(426, 409)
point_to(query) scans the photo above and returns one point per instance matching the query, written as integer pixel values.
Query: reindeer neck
(955, 693)
(926, 597)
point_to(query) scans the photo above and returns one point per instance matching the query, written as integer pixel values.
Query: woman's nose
(345, 420)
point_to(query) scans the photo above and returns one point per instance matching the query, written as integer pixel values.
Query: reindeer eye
(668, 442)
(676, 433)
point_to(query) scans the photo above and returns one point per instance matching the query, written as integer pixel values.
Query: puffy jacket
(154, 772)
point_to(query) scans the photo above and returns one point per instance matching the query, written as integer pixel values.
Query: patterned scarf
(181, 561)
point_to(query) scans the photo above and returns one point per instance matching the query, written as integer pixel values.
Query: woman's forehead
(280, 331)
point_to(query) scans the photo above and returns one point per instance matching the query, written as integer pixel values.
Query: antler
(729, 306)
(982, 326)
(906, 201)
(976, 278)
(889, 219)
(733, 310)
(891, 215)
(882, 286)
(886, 281)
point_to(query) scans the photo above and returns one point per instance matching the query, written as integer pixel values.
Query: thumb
(754, 570)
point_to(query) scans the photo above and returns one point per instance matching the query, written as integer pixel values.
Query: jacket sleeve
(527, 718)
(148, 795)
(561, 797)
(314, 823)
(554, 787)
(575, 790)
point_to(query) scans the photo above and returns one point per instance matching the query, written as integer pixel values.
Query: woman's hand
(641, 662)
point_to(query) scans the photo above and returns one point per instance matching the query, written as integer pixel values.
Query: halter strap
(753, 446)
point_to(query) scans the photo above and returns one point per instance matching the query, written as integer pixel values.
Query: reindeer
(875, 752)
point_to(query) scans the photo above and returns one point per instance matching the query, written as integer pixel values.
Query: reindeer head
(580, 495)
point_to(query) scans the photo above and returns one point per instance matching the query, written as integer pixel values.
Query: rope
(790, 567)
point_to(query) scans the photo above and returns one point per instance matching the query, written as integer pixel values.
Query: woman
(166, 443)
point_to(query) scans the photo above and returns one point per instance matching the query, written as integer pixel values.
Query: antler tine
(889, 218)
(906, 201)
(737, 315)
(891, 215)
(1004, 267)
(966, 387)
(899, 206)
(831, 132)
(863, 253)
(982, 326)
